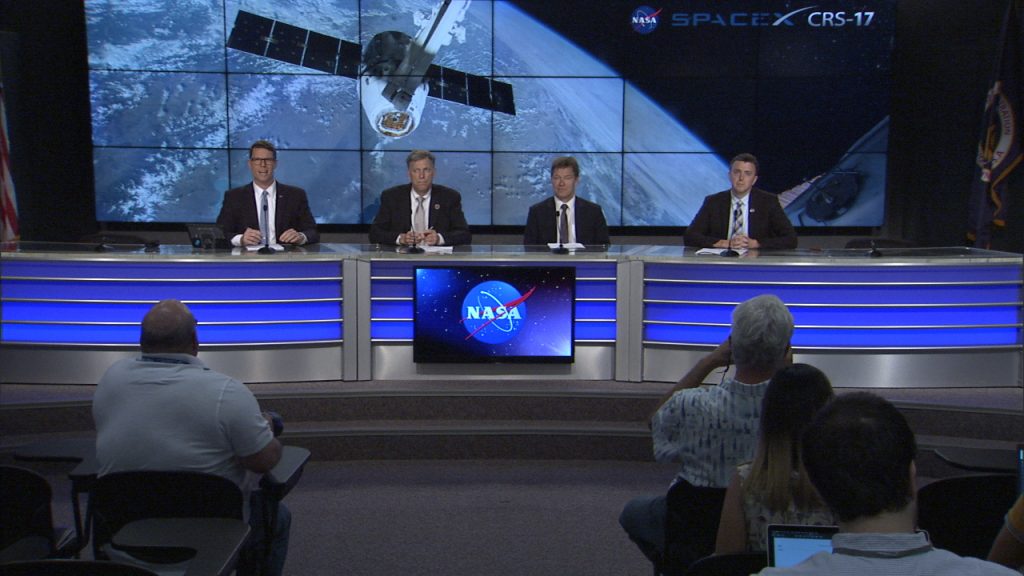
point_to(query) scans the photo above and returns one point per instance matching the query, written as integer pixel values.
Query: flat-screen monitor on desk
(494, 314)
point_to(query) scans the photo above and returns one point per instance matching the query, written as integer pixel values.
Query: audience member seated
(165, 410)
(1008, 549)
(859, 454)
(712, 429)
(774, 489)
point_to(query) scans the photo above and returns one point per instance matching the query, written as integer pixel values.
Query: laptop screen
(790, 544)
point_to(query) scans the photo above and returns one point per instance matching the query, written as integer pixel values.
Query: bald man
(165, 410)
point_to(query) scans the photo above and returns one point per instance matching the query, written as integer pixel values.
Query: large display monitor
(652, 99)
(473, 314)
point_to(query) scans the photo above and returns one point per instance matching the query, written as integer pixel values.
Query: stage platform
(495, 419)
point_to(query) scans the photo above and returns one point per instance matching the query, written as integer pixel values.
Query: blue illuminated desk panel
(921, 317)
(925, 317)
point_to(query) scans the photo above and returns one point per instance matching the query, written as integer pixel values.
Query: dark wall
(945, 56)
(943, 62)
(46, 87)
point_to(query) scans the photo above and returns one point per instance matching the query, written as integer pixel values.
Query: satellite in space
(395, 72)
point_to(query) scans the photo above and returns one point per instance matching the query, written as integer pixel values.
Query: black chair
(27, 531)
(691, 525)
(123, 497)
(743, 564)
(963, 514)
(71, 568)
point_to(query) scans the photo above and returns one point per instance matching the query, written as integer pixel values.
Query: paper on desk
(569, 245)
(718, 251)
(274, 247)
(437, 249)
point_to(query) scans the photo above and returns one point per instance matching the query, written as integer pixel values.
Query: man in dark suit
(565, 217)
(743, 217)
(434, 219)
(289, 218)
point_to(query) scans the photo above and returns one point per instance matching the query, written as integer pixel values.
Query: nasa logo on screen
(645, 19)
(494, 312)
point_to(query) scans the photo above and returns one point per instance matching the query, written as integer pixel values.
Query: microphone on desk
(561, 249)
(266, 249)
(729, 252)
(874, 252)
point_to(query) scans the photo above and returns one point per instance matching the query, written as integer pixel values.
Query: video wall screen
(473, 314)
(652, 99)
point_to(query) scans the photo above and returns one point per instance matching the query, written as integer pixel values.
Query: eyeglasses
(262, 161)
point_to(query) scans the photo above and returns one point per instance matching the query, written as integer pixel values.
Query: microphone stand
(266, 249)
(561, 247)
(729, 252)
(874, 252)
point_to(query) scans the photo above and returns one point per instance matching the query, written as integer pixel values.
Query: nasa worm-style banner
(494, 314)
(652, 98)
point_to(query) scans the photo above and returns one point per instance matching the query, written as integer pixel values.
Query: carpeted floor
(455, 518)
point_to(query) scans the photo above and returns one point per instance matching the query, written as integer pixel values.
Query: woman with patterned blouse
(774, 488)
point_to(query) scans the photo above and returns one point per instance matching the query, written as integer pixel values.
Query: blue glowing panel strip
(595, 331)
(835, 294)
(204, 270)
(128, 335)
(392, 319)
(91, 303)
(841, 307)
(822, 285)
(113, 312)
(845, 316)
(834, 274)
(846, 338)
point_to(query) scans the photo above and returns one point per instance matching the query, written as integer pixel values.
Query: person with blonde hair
(774, 488)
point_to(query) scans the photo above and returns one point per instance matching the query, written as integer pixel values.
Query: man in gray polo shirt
(165, 410)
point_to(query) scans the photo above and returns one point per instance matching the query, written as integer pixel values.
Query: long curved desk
(927, 317)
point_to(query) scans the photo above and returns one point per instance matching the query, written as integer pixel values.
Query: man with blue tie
(743, 217)
(565, 218)
(266, 211)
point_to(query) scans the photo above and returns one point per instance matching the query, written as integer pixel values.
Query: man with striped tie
(420, 212)
(742, 217)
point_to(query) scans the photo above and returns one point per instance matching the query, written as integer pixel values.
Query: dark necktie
(563, 225)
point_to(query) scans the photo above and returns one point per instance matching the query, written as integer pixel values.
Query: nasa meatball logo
(645, 19)
(494, 312)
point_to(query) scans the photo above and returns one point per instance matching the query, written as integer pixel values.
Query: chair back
(691, 525)
(963, 514)
(26, 532)
(72, 568)
(123, 497)
(743, 564)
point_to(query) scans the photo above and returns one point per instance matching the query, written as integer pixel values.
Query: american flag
(8, 203)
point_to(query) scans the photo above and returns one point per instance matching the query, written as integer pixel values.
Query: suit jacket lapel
(280, 202)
